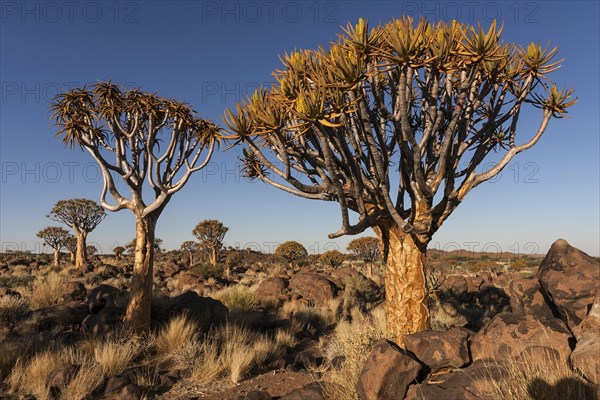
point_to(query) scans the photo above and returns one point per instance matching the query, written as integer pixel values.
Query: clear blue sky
(212, 53)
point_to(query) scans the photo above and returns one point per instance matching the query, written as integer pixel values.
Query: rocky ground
(267, 331)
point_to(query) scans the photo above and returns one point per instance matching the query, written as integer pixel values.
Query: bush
(16, 281)
(236, 299)
(292, 251)
(332, 258)
(206, 271)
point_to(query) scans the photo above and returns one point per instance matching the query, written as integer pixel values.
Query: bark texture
(406, 307)
(81, 253)
(137, 316)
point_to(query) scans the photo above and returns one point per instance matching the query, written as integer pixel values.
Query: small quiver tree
(55, 237)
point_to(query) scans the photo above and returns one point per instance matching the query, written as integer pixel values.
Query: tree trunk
(406, 307)
(137, 316)
(81, 253)
(213, 256)
(191, 259)
(56, 254)
(72, 253)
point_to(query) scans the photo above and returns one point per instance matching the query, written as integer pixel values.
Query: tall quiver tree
(211, 233)
(55, 237)
(148, 142)
(71, 246)
(392, 124)
(83, 216)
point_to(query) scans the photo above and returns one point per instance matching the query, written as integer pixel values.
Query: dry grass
(45, 291)
(114, 356)
(547, 379)
(236, 298)
(12, 308)
(353, 340)
(179, 331)
(87, 379)
(30, 377)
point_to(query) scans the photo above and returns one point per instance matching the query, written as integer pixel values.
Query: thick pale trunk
(81, 253)
(406, 294)
(137, 316)
(191, 259)
(72, 257)
(56, 256)
(213, 256)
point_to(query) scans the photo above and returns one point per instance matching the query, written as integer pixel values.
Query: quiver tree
(55, 237)
(332, 258)
(211, 233)
(148, 142)
(82, 215)
(119, 250)
(394, 124)
(71, 246)
(292, 252)
(367, 249)
(190, 247)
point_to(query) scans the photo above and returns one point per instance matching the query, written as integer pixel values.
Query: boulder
(343, 274)
(103, 296)
(526, 298)
(456, 284)
(475, 382)
(207, 312)
(61, 317)
(74, 291)
(522, 336)
(439, 350)
(106, 321)
(312, 391)
(388, 372)
(169, 267)
(186, 280)
(586, 356)
(571, 279)
(270, 289)
(313, 287)
(257, 395)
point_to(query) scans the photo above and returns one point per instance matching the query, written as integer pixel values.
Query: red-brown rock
(270, 289)
(313, 287)
(388, 372)
(439, 350)
(571, 279)
(586, 356)
(522, 336)
(526, 298)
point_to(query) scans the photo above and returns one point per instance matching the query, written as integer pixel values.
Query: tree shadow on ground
(566, 388)
(478, 308)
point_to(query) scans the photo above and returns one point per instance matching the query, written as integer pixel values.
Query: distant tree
(190, 247)
(71, 246)
(332, 258)
(210, 233)
(147, 141)
(119, 250)
(55, 237)
(158, 245)
(367, 249)
(395, 123)
(91, 250)
(232, 260)
(291, 251)
(83, 216)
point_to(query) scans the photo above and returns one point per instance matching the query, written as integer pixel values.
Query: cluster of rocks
(555, 319)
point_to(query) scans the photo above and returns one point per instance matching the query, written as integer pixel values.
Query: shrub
(332, 258)
(46, 291)
(206, 271)
(12, 309)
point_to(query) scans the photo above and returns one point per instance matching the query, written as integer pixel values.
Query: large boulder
(269, 290)
(73, 291)
(571, 279)
(439, 350)
(103, 296)
(526, 298)
(61, 317)
(311, 391)
(313, 287)
(107, 321)
(207, 312)
(586, 356)
(476, 382)
(388, 372)
(517, 337)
